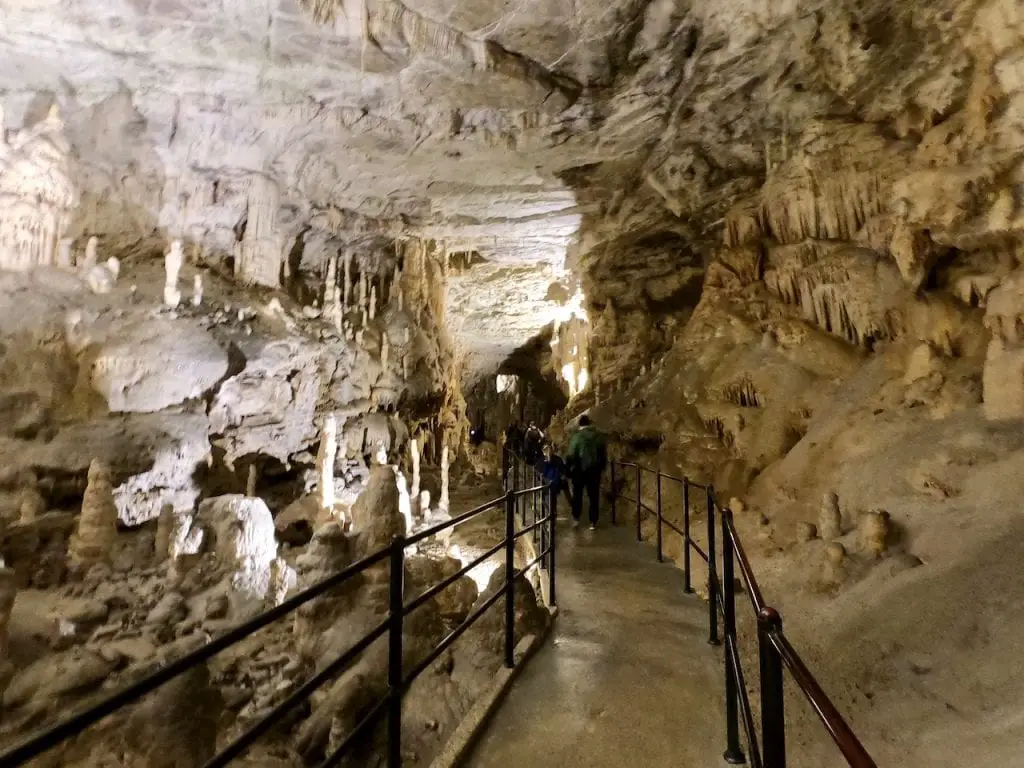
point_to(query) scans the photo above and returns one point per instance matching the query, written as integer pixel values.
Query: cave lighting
(505, 383)
(481, 574)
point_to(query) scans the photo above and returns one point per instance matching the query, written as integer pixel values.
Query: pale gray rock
(150, 365)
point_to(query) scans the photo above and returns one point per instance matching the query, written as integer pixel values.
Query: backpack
(587, 449)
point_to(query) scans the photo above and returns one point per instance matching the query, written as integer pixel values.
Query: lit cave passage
(262, 273)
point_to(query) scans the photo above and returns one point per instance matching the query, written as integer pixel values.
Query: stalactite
(385, 348)
(348, 280)
(326, 455)
(261, 251)
(443, 500)
(64, 258)
(414, 453)
(373, 303)
(250, 483)
(362, 289)
(197, 290)
(37, 196)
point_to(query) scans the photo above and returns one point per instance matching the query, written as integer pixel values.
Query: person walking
(553, 470)
(532, 444)
(587, 459)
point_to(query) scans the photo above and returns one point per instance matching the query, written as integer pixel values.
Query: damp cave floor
(627, 678)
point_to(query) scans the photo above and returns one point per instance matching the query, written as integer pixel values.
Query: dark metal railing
(766, 748)
(516, 498)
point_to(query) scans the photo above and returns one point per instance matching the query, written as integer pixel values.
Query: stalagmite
(250, 483)
(385, 347)
(424, 503)
(325, 462)
(373, 302)
(197, 290)
(362, 290)
(173, 260)
(414, 452)
(405, 367)
(443, 500)
(91, 256)
(93, 541)
(401, 299)
(102, 277)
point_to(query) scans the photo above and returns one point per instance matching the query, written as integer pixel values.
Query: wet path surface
(627, 679)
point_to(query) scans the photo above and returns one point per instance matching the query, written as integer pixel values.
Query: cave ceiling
(536, 133)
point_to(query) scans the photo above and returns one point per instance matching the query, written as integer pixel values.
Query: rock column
(96, 534)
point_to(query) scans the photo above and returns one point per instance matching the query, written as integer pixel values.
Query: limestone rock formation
(243, 529)
(94, 538)
(37, 192)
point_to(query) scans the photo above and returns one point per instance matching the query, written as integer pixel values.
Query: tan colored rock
(165, 524)
(177, 726)
(830, 518)
(921, 363)
(874, 530)
(806, 532)
(96, 535)
(8, 593)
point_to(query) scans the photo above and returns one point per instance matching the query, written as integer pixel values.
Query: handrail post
(639, 508)
(551, 543)
(660, 555)
(505, 454)
(733, 753)
(773, 713)
(510, 582)
(544, 512)
(712, 571)
(615, 495)
(396, 610)
(687, 543)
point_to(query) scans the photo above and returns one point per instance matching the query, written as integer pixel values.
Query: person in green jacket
(587, 459)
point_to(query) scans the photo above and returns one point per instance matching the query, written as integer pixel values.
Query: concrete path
(628, 678)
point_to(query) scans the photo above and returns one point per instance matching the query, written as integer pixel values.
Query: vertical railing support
(712, 571)
(660, 555)
(639, 507)
(396, 610)
(551, 543)
(505, 455)
(687, 585)
(733, 753)
(773, 713)
(510, 581)
(615, 494)
(545, 511)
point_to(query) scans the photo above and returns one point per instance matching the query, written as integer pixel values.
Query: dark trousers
(591, 483)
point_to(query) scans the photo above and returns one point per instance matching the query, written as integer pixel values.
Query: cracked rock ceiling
(527, 131)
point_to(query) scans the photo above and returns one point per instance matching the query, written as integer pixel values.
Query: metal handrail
(776, 652)
(49, 738)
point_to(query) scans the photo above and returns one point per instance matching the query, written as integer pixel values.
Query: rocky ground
(155, 500)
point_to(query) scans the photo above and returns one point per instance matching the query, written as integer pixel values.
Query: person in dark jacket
(587, 459)
(554, 471)
(532, 441)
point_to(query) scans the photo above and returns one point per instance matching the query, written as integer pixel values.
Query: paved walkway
(628, 678)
